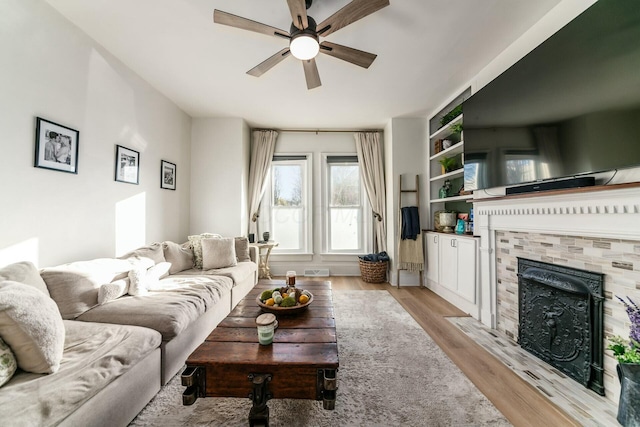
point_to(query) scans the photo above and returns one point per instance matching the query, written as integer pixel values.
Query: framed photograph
(167, 175)
(127, 165)
(56, 146)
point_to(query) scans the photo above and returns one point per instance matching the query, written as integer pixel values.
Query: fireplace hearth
(561, 319)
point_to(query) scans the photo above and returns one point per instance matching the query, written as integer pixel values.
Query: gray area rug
(391, 374)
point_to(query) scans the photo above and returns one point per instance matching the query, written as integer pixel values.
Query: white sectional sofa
(118, 348)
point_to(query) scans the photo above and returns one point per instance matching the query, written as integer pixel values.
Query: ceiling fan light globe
(304, 47)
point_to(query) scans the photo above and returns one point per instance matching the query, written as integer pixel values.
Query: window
(345, 221)
(285, 207)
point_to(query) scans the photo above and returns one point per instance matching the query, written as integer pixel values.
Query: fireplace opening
(562, 319)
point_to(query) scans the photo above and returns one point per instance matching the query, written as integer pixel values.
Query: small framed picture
(56, 146)
(127, 165)
(167, 175)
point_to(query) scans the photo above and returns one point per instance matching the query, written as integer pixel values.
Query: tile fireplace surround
(596, 230)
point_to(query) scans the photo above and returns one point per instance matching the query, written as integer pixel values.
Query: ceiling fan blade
(224, 18)
(311, 73)
(349, 54)
(269, 63)
(352, 12)
(298, 10)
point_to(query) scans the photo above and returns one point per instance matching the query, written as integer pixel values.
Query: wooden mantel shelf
(559, 192)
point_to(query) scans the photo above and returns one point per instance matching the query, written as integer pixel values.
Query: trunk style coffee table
(302, 362)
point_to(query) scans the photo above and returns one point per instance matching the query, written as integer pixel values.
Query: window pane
(287, 185)
(287, 228)
(345, 228)
(345, 185)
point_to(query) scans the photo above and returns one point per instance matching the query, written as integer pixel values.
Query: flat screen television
(568, 108)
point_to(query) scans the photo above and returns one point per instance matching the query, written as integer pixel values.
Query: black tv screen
(569, 107)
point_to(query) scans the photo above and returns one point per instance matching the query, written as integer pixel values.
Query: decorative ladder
(416, 191)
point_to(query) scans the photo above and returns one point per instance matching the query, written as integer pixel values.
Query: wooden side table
(264, 251)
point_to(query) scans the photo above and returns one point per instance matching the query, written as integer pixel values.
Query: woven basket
(373, 272)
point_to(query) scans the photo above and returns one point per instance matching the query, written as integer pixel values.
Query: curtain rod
(316, 131)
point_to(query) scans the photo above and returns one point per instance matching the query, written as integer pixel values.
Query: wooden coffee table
(302, 362)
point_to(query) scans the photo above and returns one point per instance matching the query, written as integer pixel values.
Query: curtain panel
(369, 150)
(263, 144)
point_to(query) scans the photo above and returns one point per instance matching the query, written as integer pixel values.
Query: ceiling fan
(305, 33)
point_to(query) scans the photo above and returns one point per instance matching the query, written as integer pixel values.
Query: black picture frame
(56, 146)
(127, 165)
(167, 175)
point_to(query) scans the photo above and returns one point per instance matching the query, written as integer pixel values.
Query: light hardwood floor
(520, 403)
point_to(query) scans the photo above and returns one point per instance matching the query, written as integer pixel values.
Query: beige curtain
(369, 150)
(263, 145)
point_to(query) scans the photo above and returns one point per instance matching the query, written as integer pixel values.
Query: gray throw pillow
(154, 252)
(24, 272)
(180, 256)
(242, 249)
(218, 253)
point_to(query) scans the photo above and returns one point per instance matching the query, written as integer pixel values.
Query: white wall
(219, 173)
(51, 69)
(405, 156)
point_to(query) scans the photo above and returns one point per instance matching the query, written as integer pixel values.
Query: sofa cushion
(8, 364)
(218, 253)
(31, 325)
(114, 290)
(238, 273)
(170, 311)
(95, 355)
(74, 287)
(196, 246)
(24, 272)
(242, 249)
(180, 256)
(154, 252)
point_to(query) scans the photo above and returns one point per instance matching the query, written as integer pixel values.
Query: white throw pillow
(218, 253)
(8, 364)
(31, 325)
(196, 245)
(114, 290)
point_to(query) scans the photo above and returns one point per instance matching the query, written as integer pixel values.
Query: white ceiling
(427, 51)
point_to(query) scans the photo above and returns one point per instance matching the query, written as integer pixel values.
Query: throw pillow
(218, 253)
(74, 287)
(8, 363)
(242, 249)
(196, 244)
(24, 272)
(31, 325)
(114, 290)
(180, 256)
(154, 252)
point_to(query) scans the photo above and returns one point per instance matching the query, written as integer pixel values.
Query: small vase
(628, 408)
(265, 236)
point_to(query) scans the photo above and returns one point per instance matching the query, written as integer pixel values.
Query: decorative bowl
(284, 310)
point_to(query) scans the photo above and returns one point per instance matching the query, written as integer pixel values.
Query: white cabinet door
(466, 269)
(448, 262)
(432, 256)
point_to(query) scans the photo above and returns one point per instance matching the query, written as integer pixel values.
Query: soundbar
(584, 181)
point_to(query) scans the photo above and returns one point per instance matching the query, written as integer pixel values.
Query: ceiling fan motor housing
(310, 30)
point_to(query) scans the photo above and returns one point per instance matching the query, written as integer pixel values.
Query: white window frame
(267, 207)
(365, 225)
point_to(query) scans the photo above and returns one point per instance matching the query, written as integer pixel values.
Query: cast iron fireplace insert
(561, 319)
